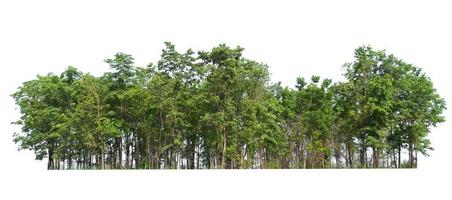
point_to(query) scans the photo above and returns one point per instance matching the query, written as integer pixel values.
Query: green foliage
(217, 109)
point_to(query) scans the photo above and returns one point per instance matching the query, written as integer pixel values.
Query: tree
(217, 109)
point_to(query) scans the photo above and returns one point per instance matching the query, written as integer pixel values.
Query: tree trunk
(375, 157)
(410, 155)
(127, 151)
(415, 159)
(137, 149)
(350, 155)
(102, 159)
(50, 163)
(262, 158)
(363, 155)
(225, 140)
(119, 144)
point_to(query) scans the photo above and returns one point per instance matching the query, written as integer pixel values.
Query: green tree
(217, 109)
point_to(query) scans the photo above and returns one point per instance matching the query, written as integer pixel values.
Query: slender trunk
(347, 165)
(225, 140)
(159, 149)
(148, 151)
(197, 157)
(102, 166)
(375, 157)
(394, 158)
(69, 164)
(119, 152)
(363, 154)
(137, 149)
(415, 159)
(350, 155)
(127, 151)
(193, 156)
(261, 158)
(410, 155)
(50, 163)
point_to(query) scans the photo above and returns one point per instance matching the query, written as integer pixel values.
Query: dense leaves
(217, 109)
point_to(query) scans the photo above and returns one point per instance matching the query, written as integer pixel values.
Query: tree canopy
(216, 109)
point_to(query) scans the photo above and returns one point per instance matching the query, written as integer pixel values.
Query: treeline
(217, 109)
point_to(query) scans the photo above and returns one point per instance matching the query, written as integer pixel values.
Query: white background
(295, 38)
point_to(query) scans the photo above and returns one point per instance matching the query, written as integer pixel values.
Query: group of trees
(217, 109)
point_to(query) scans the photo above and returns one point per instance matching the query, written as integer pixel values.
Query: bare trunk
(50, 163)
(375, 157)
(350, 156)
(363, 155)
(410, 155)
(102, 159)
(119, 143)
(225, 140)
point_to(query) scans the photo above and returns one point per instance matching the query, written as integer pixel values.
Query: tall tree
(217, 109)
